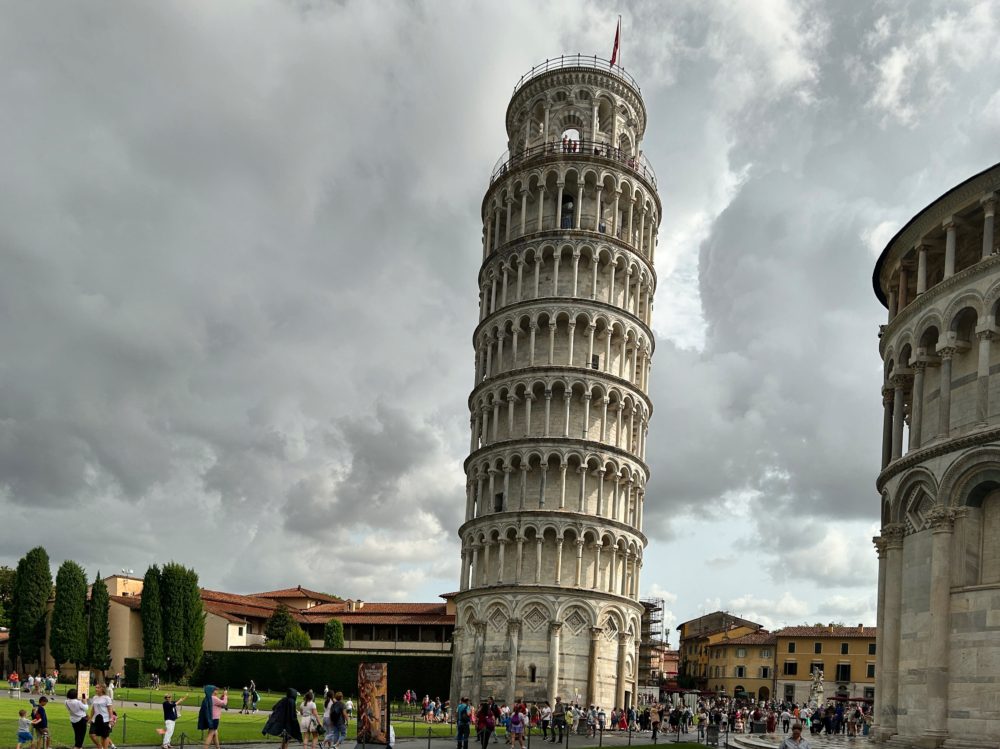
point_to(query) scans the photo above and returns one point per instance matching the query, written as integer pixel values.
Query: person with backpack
(558, 719)
(463, 719)
(486, 723)
(517, 721)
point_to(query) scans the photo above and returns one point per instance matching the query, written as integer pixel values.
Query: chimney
(861, 627)
(830, 626)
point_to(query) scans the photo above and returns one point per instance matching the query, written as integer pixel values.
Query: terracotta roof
(132, 602)
(755, 638)
(360, 617)
(244, 606)
(221, 612)
(4, 636)
(837, 632)
(297, 592)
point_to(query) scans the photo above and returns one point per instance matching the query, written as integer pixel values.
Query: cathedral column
(562, 485)
(879, 632)
(942, 523)
(921, 269)
(532, 327)
(898, 384)
(579, 562)
(597, 546)
(582, 471)
(611, 287)
(989, 203)
(586, 415)
(579, 209)
(554, 631)
(576, 274)
(548, 412)
(559, 194)
(552, 343)
(520, 559)
(949, 246)
(543, 469)
(538, 225)
(559, 547)
(538, 559)
(556, 259)
(599, 475)
(567, 397)
(597, 216)
(571, 325)
(524, 486)
(513, 641)
(524, 210)
(889, 681)
(456, 671)
(595, 641)
(604, 419)
(886, 426)
(502, 545)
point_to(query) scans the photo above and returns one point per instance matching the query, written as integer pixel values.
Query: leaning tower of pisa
(552, 543)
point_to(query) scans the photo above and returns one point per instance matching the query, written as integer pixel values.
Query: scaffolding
(652, 642)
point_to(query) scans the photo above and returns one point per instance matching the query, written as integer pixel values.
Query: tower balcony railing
(578, 61)
(589, 148)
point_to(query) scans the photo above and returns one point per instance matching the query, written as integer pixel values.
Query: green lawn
(138, 724)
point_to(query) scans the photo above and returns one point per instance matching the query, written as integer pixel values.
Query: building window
(869, 693)
(384, 633)
(741, 672)
(765, 653)
(871, 648)
(843, 648)
(429, 634)
(871, 670)
(765, 672)
(791, 647)
(239, 631)
(408, 633)
(817, 647)
(791, 668)
(843, 672)
(498, 502)
(532, 674)
(595, 361)
(741, 652)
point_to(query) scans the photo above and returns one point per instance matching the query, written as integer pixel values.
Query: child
(23, 730)
(41, 723)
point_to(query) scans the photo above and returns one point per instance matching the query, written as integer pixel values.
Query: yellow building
(845, 655)
(742, 666)
(697, 636)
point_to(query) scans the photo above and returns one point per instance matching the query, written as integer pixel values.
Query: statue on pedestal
(816, 698)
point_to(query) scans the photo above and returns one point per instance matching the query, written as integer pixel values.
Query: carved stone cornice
(915, 457)
(558, 444)
(880, 546)
(893, 534)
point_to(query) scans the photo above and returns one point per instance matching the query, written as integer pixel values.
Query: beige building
(698, 636)
(939, 565)
(552, 542)
(845, 655)
(742, 666)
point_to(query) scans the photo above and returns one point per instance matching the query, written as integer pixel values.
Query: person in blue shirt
(40, 722)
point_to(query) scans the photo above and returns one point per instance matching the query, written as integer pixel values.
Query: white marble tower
(552, 543)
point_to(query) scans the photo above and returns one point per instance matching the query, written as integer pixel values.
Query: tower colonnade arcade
(552, 543)
(938, 647)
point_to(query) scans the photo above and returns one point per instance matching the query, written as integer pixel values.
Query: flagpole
(619, 40)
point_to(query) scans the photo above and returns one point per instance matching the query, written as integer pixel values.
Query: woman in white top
(101, 711)
(77, 717)
(309, 720)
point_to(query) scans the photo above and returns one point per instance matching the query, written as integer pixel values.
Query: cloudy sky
(238, 255)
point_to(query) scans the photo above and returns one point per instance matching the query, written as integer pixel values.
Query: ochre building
(938, 655)
(552, 542)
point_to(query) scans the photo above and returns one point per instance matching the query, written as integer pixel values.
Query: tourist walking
(77, 709)
(463, 719)
(517, 721)
(486, 723)
(283, 720)
(209, 714)
(309, 720)
(170, 717)
(558, 719)
(338, 720)
(100, 717)
(546, 718)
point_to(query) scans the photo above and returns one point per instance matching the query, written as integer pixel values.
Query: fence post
(429, 731)
(600, 740)
(183, 739)
(124, 728)
(630, 733)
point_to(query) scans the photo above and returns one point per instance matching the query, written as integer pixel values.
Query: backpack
(515, 719)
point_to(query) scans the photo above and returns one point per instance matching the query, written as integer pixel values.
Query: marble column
(941, 521)
(879, 632)
(989, 204)
(456, 668)
(886, 426)
(623, 640)
(555, 628)
(921, 269)
(983, 381)
(888, 683)
(595, 642)
(944, 400)
(898, 388)
(949, 246)
(917, 404)
(477, 661)
(513, 641)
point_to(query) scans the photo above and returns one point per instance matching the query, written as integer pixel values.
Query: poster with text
(373, 704)
(83, 684)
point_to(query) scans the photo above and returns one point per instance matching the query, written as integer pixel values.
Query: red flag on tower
(618, 36)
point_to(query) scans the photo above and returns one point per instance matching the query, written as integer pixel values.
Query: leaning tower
(552, 543)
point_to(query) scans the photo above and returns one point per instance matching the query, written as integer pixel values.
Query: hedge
(276, 670)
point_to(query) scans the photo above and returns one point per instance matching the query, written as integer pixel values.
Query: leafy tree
(6, 594)
(280, 622)
(173, 600)
(333, 634)
(98, 627)
(296, 638)
(151, 613)
(194, 621)
(30, 596)
(68, 634)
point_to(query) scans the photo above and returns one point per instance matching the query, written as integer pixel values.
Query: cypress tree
(194, 621)
(32, 588)
(6, 594)
(333, 634)
(173, 600)
(68, 634)
(280, 622)
(151, 613)
(296, 638)
(98, 627)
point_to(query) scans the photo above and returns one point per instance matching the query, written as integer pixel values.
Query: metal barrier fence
(595, 149)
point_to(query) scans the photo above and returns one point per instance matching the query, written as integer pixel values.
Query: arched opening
(532, 673)
(571, 140)
(763, 694)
